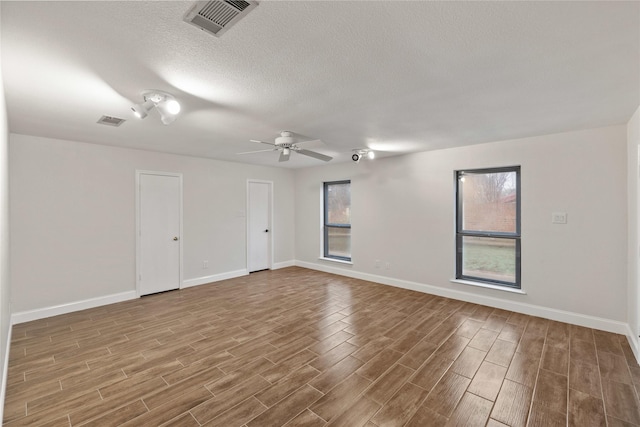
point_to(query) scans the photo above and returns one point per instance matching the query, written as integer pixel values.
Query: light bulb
(173, 106)
(371, 155)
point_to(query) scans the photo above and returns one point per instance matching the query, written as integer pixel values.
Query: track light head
(173, 106)
(166, 118)
(141, 110)
(359, 153)
(168, 110)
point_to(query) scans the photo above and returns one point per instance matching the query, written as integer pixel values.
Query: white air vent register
(217, 16)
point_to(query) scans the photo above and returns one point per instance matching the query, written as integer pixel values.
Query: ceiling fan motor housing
(285, 139)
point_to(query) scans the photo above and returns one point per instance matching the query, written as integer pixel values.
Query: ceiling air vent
(110, 121)
(217, 16)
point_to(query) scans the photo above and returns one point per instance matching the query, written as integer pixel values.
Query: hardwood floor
(297, 347)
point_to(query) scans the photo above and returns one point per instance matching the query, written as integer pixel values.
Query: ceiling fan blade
(314, 154)
(311, 140)
(262, 142)
(258, 151)
(284, 157)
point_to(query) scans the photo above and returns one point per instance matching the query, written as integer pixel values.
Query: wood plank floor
(296, 347)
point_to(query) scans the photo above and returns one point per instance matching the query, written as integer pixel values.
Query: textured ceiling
(393, 76)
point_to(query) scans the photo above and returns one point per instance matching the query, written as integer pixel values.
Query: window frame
(460, 232)
(326, 225)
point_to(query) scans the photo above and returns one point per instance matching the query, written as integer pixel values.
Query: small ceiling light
(166, 105)
(359, 153)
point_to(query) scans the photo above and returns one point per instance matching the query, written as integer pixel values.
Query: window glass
(488, 225)
(337, 220)
(489, 202)
(339, 243)
(339, 203)
(489, 259)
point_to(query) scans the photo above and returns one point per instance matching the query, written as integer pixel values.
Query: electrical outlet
(205, 264)
(387, 265)
(377, 264)
(559, 218)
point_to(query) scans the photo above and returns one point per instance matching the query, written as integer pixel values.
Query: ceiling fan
(286, 143)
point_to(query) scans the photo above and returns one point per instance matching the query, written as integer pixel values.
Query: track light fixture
(141, 110)
(166, 105)
(359, 153)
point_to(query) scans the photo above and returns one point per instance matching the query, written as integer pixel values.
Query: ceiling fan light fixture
(286, 151)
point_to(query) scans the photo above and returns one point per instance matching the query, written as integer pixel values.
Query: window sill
(489, 286)
(339, 261)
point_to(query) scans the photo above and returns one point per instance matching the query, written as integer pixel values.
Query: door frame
(248, 216)
(637, 253)
(138, 224)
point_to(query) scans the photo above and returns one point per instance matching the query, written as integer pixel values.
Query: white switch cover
(559, 218)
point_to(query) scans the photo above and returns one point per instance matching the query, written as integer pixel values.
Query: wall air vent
(110, 121)
(217, 16)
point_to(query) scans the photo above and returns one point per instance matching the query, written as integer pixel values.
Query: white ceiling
(393, 76)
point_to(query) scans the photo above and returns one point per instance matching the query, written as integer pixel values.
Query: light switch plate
(559, 218)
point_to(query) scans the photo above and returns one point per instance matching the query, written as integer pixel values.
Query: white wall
(633, 174)
(5, 289)
(403, 213)
(73, 218)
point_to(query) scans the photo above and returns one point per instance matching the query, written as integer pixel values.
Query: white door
(160, 203)
(259, 226)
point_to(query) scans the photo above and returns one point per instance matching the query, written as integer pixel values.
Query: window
(488, 226)
(337, 220)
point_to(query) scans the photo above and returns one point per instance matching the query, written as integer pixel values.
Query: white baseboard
(5, 371)
(633, 343)
(41, 313)
(285, 264)
(213, 278)
(529, 309)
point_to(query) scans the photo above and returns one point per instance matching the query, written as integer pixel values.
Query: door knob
(175, 238)
(266, 231)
